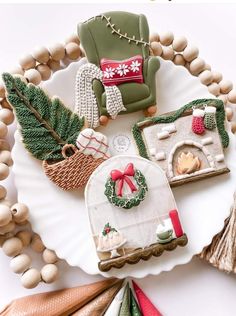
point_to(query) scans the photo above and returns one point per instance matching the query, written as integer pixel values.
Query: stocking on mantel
(198, 121)
(209, 118)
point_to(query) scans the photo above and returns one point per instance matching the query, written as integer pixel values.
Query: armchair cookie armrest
(151, 65)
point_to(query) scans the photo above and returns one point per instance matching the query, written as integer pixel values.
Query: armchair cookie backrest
(99, 41)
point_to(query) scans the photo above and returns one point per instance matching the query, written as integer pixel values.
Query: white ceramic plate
(60, 218)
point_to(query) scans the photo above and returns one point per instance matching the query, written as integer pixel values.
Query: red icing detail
(92, 148)
(176, 223)
(117, 175)
(116, 72)
(93, 137)
(146, 306)
(198, 125)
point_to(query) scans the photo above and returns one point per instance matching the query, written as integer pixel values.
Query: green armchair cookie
(118, 44)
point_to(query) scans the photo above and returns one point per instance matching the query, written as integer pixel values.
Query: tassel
(221, 253)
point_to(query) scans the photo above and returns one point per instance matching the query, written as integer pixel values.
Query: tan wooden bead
(31, 278)
(232, 96)
(3, 192)
(36, 244)
(3, 130)
(197, 66)
(57, 51)
(27, 62)
(25, 237)
(20, 263)
(6, 202)
(190, 53)
(207, 67)
(10, 227)
(5, 215)
(206, 77)
(156, 48)
(154, 37)
(49, 273)
(17, 71)
(73, 38)
(225, 86)
(179, 60)
(54, 65)
(24, 223)
(214, 89)
(167, 53)
(41, 54)
(224, 98)
(4, 145)
(229, 113)
(72, 51)
(44, 71)
(187, 66)
(2, 240)
(217, 76)
(33, 76)
(2, 90)
(12, 247)
(167, 38)
(49, 256)
(6, 116)
(5, 157)
(6, 105)
(20, 212)
(233, 127)
(179, 43)
(4, 171)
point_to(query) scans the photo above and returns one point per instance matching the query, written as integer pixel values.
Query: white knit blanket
(85, 99)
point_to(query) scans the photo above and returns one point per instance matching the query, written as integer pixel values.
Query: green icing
(135, 311)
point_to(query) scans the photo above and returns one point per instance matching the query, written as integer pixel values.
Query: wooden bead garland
(41, 54)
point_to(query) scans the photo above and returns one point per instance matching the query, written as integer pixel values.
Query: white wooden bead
(57, 51)
(49, 256)
(2, 90)
(154, 37)
(179, 43)
(73, 38)
(229, 113)
(36, 244)
(49, 273)
(5, 157)
(6, 116)
(214, 89)
(20, 212)
(27, 62)
(3, 192)
(7, 228)
(44, 71)
(72, 51)
(17, 71)
(167, 38)
(31, 278)
(190, 53)
(5, 215)
(3, 130)
(20, 263)
(4, 171)
(206, 77)
(167, 53)
(156, 48)
(232, 96)
(225, 86)
(179, 60)
(224, 98)
(54, 65)
(41, 54)
(12, 247)
(33, 76)
(217, 76)
(196, 66)
(25, 237)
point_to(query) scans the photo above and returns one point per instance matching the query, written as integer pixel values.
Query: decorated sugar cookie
(132, 212)
(187, 144)
(55, 135)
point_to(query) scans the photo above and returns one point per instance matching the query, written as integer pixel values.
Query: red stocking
(198, 121)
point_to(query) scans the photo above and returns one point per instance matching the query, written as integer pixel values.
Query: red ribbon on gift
(122, 177)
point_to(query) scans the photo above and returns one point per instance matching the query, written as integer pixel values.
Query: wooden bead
(10, 227)
(4, 171)
(156, 48)
(20, 263)
(167, 38)
(225, 86)
(179, 43)
(167, 53)
(154, 37)
(54, 65)
(206, 77)
(187, 66)
(12, 247)
(224, 98)
(25, 237)
(37, 244)
(2, 91)
(229, 113)
(190, 53)
(232, 96)
(6, 202)
(33, 76)
(233, 127)
(24, 223)
(17, 71)
(49, 273)
(2, 240)
(6, 116)
(214, 89)
(22, 78)
(72, 51)
(31, 278)
(179, 60)
(4, 145)
(217, 76)
(44, 71)
(20, 212)
(73, 38)
(3, 192)
(5, 157)
(57, 52)
(5, 215)
(3, 130)
(49, 256)
(6, 105)
(41, 54)
(27, 62)
(197, 66)
(207, 67)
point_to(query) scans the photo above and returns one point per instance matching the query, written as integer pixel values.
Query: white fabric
(114, 308)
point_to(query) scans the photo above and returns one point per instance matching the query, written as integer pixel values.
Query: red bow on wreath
(117, 175)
